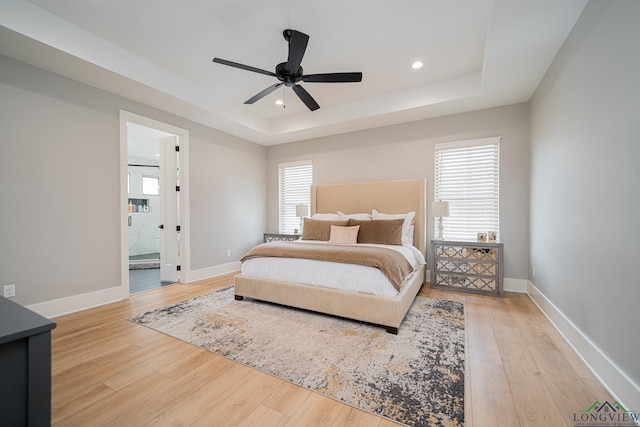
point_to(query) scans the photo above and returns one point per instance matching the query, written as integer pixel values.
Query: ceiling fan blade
(243, 67)
(262, 94)
(297, 47)
(305, 97)
(333, 78)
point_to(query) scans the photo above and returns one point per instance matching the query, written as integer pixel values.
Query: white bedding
(348, 277)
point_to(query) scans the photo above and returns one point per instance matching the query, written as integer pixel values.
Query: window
(150, 185)
(294, 183)
(467, 176)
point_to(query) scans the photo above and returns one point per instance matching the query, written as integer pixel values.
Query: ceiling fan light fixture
(417, 65)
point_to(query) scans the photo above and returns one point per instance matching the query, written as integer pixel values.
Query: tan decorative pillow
(344, 235)
(382, 231)
(318, 229)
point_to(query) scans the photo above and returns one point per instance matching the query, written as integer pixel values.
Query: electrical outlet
(228, 252)
(534, 271)
(9, 291)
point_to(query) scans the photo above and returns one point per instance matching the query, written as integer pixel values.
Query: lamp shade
(302, 210)
(440, 209)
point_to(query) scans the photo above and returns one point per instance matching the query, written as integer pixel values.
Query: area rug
(415, 378)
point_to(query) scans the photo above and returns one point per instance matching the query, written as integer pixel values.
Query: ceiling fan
(290, 73)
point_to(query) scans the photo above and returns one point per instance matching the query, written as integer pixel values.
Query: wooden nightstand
(279, 237)
(467, 266)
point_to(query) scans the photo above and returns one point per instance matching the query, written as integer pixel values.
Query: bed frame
(399, 196)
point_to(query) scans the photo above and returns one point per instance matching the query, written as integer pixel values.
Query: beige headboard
(391, 197)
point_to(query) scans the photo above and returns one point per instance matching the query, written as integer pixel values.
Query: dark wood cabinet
(25, 363)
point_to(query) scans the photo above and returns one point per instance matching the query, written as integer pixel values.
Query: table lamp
(301, 212)
(440, 210)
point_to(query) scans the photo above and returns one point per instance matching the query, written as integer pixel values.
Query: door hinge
(177, 148)
(177, 267)
(177, 188)
(178, 228)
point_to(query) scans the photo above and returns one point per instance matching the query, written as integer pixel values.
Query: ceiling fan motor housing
(286, 77)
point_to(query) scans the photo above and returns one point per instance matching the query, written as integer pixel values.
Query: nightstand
(279, 237)
(467, 266)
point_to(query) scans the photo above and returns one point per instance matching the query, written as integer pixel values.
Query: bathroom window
(150, 185)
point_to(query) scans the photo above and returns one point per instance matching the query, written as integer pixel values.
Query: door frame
(183, 206)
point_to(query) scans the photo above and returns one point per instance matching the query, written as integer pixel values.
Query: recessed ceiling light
(416, 65)
(279, 102)
(157, 155)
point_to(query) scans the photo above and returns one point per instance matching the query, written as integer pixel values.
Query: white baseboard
(621, 387)
(74, 303)
(215, 271)
(62, 306)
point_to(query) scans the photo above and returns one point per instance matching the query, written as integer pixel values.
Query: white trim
(72, 304)
(295, 164)
(621, 387)
(183, 213)
(215, 271)
(75, 303)
(469, 143)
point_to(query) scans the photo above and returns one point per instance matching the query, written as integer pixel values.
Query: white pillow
(344, 235)
(326, 217)
(407, 226)
(407, 235)
(360, 216)
(408, 217)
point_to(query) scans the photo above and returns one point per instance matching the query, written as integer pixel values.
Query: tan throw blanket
(392, 263)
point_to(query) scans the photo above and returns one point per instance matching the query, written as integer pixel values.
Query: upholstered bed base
(378, 310)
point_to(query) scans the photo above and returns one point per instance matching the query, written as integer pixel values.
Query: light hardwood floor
(109, 371)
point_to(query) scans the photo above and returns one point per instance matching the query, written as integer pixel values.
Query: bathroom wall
(144, 234)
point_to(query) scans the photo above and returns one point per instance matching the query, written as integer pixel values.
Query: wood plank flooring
(109, 371)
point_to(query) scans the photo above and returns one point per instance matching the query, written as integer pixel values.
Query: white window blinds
(467, 176)
(294, 182)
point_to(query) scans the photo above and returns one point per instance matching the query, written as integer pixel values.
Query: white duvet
(348, 277)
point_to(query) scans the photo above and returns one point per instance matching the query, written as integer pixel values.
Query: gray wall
(59, 186)
(406, 151)
(585, 180)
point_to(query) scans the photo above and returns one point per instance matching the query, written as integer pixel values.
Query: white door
(169, 235)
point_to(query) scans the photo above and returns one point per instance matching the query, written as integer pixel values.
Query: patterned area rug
(415, 378)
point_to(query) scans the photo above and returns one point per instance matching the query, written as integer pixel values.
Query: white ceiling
(477, 54)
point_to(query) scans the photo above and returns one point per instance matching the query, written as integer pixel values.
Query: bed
(390, 197)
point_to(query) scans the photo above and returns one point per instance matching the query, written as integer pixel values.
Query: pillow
(408, 217)
(382, 231)
(326, 217)
(344, 235)
(407, 229)
(315, 229)
(407, 234)
(360, 216)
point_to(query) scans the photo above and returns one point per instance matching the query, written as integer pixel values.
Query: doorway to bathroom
(151, 231)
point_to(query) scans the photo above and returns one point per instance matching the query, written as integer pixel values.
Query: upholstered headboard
(391, 197)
